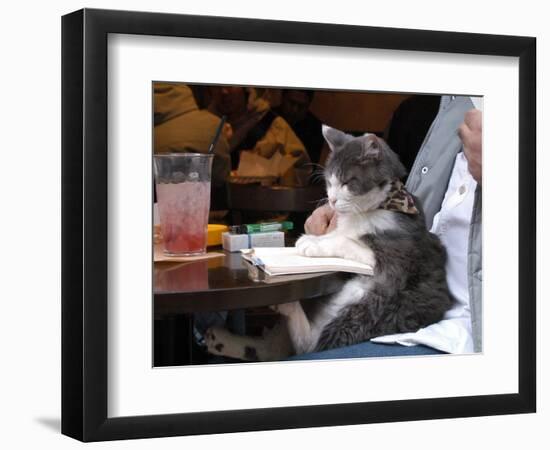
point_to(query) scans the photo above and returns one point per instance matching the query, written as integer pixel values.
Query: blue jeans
(368, 350)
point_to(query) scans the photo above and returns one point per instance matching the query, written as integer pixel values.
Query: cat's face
(359, 171)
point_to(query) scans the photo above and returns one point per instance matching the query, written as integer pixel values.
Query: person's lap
(362, 350)
(367, 350)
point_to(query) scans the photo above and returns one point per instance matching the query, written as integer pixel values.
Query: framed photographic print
(187, 139)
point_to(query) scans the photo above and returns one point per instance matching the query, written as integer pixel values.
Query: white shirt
(453, 334)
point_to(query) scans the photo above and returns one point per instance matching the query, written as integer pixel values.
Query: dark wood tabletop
(223, 283)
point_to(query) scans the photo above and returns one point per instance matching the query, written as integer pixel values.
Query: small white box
(268, 239)
(234, 242)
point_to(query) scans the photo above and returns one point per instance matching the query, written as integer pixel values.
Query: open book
(278, 261)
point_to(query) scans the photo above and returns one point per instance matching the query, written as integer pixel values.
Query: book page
(286, 260)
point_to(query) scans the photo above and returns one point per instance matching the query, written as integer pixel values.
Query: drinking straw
(217, 135)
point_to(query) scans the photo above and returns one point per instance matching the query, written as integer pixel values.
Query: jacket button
(424, 170)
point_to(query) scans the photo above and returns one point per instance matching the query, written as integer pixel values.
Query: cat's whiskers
(317, 175)
(344, 206)
(315, 164)
(321, 202)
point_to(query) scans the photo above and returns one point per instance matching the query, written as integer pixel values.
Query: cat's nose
(331, 201)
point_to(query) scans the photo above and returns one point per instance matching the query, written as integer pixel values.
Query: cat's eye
(349, 180)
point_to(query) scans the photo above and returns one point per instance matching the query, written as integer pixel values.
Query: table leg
(173, 340)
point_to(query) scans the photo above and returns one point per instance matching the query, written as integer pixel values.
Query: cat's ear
(371, 149)
(336, 139)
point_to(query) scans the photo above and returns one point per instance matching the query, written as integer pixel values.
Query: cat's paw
(303, 239)
(309, 245)
(285, 309)
(216, 340)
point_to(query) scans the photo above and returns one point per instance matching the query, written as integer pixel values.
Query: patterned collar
(399, 199)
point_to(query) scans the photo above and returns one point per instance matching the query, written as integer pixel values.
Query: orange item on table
(215, 234)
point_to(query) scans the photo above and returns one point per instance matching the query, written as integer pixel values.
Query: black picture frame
(84, 224)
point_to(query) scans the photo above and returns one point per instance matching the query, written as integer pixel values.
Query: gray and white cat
(378, 223)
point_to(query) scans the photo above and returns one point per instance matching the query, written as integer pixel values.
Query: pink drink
(183, 209)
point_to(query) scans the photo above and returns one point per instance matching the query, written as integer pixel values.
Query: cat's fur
(408, 290)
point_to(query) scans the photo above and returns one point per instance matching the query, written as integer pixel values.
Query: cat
(378, 223)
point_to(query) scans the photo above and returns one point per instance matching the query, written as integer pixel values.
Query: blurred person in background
(294, 108)
(256, 128)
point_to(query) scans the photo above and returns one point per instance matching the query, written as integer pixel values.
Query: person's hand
(321, 221)
(470, 134)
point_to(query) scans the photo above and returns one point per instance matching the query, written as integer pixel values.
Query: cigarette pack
(269, 239)
(234, 242)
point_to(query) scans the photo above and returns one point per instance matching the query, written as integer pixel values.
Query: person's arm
(470, 134)
(321, 221)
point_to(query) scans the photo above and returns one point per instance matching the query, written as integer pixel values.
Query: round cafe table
(221, 283)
